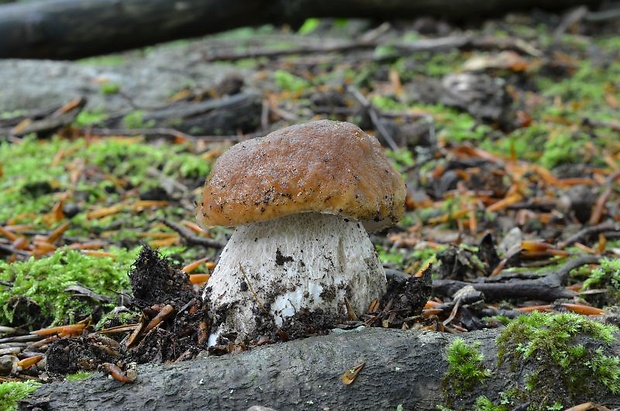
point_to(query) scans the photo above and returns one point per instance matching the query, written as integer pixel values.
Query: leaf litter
(508, 144)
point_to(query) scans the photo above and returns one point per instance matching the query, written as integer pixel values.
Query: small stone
(7, 364)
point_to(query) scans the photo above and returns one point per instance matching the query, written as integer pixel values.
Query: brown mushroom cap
(323, 166)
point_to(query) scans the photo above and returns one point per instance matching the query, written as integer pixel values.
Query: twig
(428, 45)
(247, 280)
(316, 49)
(135, 131)
(374, 116)
(572, 17)
(191, 238)
(156, 132)
(611, 14)
(169, 184)
(12, 250)
(588, 231)
(561, 272)
(599, 207)
(548, 288)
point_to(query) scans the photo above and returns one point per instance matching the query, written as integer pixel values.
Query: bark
(401, 367)
(70, 29)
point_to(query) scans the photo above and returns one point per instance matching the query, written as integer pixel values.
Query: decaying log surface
(401, 367)
(70, 29)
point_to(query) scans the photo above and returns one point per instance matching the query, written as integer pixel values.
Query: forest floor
(507, 134)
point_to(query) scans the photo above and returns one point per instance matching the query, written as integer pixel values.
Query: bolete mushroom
(301, 199)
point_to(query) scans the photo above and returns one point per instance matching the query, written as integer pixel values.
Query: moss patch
(465, 368)
(607, 275)
(37, 293)
(12, 392)
(560, 359)
(89, 175)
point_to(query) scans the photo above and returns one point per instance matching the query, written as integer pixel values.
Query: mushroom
(302, 199)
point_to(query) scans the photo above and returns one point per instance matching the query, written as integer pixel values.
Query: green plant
(13, 392)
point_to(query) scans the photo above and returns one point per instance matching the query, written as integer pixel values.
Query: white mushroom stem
(277, 268)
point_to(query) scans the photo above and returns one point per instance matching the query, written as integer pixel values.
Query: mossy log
(71, 29)
(401, 368)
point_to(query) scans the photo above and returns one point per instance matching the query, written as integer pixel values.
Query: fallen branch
(551, 287)
(402, 369)
(70, 29)
(607, 227)
(548, 288)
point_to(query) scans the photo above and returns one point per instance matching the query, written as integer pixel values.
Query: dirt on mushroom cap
(323, 166)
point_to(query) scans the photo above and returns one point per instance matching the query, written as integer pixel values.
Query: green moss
(525, 143)
(14, 113)
(611, 44)
(549, 351)
(387, 103)
(87, 117)
(485, 404)
(465, 367)
(401, 158)
(135, 119)
(564, 149)
(384, 51)
(392, 255)
(12, 392)
(80, 375)
(437, 64)
(110, 60)
(26, 194)
(290, 82)
(607, 275)
(44, 282)
(309, 26)
(109, 88)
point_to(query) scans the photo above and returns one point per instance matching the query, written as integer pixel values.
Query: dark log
(523, 285)
(548, 288)
(70, 29)
(401, 368)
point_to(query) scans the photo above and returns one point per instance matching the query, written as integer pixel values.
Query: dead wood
(440, 44)
(70, 29)
(520, 285)
(582, 235)
(401, 367)
(228, 115)
(548, 288)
